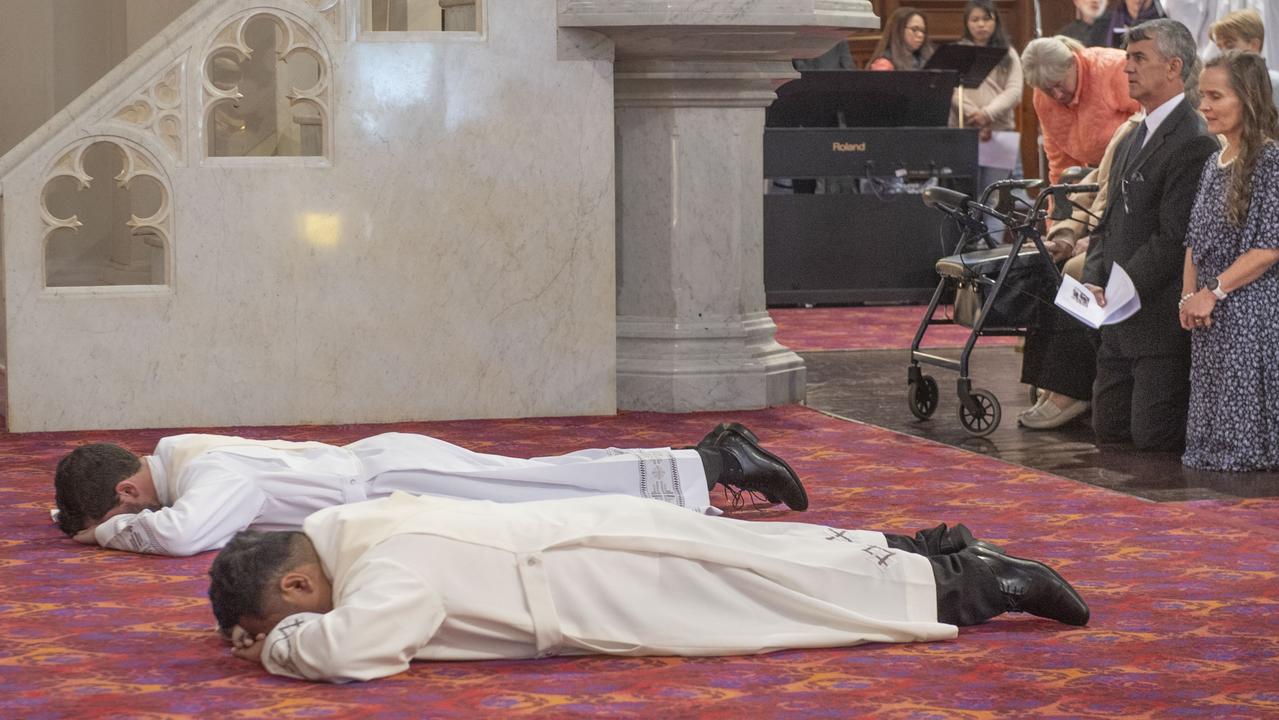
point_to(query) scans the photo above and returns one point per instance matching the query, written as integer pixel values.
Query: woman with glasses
(1081, 97)
(904, 44)
(989, 107)
(1230, 287)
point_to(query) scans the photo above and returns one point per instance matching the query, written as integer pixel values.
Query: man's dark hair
(244, 570)
(84, 483)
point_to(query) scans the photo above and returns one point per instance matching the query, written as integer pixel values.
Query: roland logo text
(848, 147)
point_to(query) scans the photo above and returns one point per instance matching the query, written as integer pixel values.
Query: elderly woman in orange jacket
(1080, 96)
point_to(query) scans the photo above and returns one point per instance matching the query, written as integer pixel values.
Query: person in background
(1080, 96)
(1143, 365)
(1230, 288)
(1130, 13)
(839, 57)
(1244, 30)
(1199, 15)
(904, 44)
(1091, 26)
(1060, 356)
(990, 106)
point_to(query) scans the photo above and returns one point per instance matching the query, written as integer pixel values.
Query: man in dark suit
(1143, 366)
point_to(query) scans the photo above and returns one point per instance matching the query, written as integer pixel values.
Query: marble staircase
(545, 208)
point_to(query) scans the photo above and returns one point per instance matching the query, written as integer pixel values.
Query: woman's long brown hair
(1251, 82)
(892, 44)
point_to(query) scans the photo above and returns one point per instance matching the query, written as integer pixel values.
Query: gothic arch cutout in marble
(104, 233)
(159, 108)
(267, 86)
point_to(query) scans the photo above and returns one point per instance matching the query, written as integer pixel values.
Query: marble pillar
(692, 80)
(692, 330)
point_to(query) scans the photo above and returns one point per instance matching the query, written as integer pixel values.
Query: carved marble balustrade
(307, 220)
(277, 212)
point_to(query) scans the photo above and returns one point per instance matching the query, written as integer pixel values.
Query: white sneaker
(1047, 415)
(1043, 398)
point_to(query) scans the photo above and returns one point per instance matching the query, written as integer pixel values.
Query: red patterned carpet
(886, 327)
(1185, 602)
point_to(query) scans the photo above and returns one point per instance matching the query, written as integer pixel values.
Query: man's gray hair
(1172, 40)
(1045, 61)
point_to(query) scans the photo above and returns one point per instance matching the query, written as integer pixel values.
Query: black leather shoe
(712, 440)
(1033, 587)
(712, 437)
(747, 466)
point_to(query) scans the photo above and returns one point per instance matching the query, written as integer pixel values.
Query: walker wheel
(923, 397)
(987, 417)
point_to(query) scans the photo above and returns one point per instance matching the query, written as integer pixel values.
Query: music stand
(858, 98)
(972, 62)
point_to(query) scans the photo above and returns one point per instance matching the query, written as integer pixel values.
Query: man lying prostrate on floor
(196, 491)
(366, 588)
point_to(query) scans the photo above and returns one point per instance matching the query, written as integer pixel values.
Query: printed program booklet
(1121, 299)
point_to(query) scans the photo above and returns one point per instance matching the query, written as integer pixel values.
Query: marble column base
(725, 364)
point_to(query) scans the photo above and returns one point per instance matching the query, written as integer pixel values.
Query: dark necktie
(1129, 174)
(1135, 149)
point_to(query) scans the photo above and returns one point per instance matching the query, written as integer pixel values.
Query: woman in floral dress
(1230, 287)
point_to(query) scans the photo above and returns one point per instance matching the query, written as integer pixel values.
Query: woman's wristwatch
(1214, 286)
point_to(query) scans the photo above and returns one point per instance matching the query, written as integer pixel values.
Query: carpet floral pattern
(1185, 600)
(889, 327)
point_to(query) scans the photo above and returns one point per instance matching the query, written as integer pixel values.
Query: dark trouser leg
(1160, 399)
(1142, 400)
(712, 464)
(1112, 396)
(1060, 355)
(968, 592)
(939, 540)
